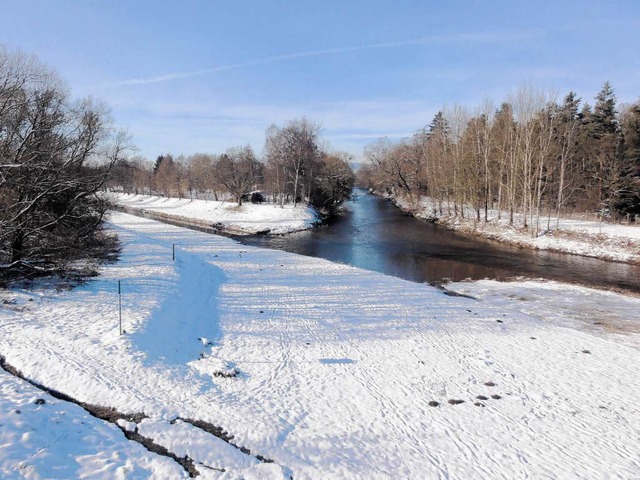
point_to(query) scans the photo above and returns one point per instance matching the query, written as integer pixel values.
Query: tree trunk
(17, 246)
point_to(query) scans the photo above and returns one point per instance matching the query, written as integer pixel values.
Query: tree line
(297, 167)
(532, 155)
(58, 154)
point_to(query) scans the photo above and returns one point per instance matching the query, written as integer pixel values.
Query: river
(374, 234)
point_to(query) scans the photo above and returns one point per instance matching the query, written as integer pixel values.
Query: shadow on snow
(186, 323)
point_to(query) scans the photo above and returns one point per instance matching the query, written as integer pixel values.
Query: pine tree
(607, 154)
(604, 112)
(439, 125)
(567, 148)
(629, 200)
(156, 166)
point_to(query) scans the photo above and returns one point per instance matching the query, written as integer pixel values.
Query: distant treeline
(531, 155)
(295, 169)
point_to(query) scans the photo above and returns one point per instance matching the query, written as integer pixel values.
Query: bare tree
(239, 171)
(202, 174)
(332, 182)
(55, 154)
(291, 152)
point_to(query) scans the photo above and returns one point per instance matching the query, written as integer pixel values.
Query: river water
(376, 235)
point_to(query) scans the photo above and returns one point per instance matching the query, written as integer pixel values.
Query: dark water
(374, 234)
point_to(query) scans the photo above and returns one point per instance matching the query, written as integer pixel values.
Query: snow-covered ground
(561, 304)
(582, 237)
(337, 368)
(54, 439)
(248, 219)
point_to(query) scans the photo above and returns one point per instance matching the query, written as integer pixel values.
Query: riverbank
(328, 370)
(221, 216)
(619, 243)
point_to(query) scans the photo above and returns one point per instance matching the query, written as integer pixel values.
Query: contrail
(467, 37)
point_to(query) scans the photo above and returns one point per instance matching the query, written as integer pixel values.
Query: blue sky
(201, 76)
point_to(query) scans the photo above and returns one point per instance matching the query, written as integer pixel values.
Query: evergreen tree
(604, 112)
(439, 125)
(156, 166)
(566, 140)
(629, 199)
(607, 150)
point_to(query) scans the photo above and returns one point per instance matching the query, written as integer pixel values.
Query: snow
(61, 440)
(128, 426)
(185, 439)
(559, 304)
(336, 366)
(578, 236)
(248, 219)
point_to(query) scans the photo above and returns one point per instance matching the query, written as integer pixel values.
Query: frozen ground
(247, 219)
(582, 237)
(337, 367)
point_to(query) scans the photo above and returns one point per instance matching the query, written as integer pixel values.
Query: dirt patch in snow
(222, 435)
(110, 415)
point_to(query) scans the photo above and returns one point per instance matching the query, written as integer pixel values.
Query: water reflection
(375, 235)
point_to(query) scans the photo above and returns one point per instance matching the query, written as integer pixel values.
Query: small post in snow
(173, 252)
(120, 305)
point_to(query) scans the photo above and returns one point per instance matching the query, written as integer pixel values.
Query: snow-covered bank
(248, 219)
(607, 241)
(337, 367)
(561, 304)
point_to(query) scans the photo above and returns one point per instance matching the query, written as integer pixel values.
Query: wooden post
(120, 305)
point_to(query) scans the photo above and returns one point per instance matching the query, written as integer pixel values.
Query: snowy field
(248, 219)
(340, 372)
(581, 237)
